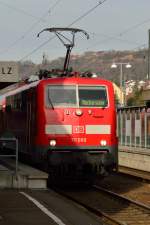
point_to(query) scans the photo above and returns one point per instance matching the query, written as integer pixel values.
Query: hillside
(99, 62)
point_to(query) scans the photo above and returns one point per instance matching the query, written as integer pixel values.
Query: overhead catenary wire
(54, 5)
(22, 11)
(27, 32)
(108, 38)
(138, 45)
(117, 37)
(75, 21)
(129, 29)
(87, 13)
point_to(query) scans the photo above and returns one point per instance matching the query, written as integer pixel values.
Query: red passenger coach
(67, 122)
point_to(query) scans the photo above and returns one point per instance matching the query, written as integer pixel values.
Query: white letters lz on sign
(9, 72)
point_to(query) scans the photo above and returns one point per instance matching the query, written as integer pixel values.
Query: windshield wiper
(49, 99)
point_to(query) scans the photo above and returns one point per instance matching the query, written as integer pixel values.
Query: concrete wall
(134, 158)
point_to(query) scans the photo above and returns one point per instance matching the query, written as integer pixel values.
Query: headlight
(52, 143)
(103, 142)
(79, 112)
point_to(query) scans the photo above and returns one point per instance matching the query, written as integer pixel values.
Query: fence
(133, 126)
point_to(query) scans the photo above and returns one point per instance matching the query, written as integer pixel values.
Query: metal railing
(133, 126)
(4, 142)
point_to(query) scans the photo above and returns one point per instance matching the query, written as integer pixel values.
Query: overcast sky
(113, 25)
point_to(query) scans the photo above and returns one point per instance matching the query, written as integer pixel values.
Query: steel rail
(104, 216)
(139, 174)
(110, 207)
(120, 197)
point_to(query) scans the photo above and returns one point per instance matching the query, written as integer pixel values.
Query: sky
(111, 24)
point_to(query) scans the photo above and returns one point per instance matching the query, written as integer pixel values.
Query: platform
(136, 158)
(27, 177)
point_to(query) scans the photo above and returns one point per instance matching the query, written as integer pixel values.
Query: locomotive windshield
(76, 96)
(92, 96)
(60, 95)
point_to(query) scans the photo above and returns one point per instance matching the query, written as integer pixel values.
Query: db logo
(78, 129)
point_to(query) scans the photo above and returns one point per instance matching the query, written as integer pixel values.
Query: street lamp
(114, 66)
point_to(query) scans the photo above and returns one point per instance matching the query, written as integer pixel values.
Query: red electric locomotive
(66, 122)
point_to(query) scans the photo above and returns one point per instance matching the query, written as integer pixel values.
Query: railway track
(109, 206)
(144, 175)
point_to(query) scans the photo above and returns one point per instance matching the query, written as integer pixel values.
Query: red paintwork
(32, 124)
(58, 116)
(2, 103)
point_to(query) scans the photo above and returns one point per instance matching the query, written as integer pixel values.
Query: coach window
(93, 96)
(24, 101)
(61, 96)
(17, 101)
(9, 101)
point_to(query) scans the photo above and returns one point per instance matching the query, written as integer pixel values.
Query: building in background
(119, 95)
(8, 73)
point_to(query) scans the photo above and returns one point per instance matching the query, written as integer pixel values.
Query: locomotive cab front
(78, 127)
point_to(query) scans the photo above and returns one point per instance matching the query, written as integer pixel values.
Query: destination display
(9, 72)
